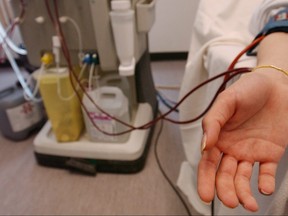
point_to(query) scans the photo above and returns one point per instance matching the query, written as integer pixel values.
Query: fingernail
(203, 142)
(264, 192)
(206, 203)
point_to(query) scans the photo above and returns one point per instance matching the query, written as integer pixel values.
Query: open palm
(246, 124)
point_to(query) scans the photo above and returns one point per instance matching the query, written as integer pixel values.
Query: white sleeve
(262, 14)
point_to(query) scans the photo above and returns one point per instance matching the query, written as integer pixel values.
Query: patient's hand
(248, 123)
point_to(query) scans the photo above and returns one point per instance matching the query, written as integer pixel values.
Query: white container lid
(121, 5)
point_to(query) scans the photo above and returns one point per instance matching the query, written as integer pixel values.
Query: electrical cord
(162, 169)
(213, 207)
(165, 101)
(167, 98)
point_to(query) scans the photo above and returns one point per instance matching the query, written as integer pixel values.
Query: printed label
(104, 123)
(24, 116)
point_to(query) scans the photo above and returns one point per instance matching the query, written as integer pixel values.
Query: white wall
(173, 26)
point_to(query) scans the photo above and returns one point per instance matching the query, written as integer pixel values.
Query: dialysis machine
(115, 33)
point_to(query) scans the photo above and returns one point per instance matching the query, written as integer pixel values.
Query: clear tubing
(36, 88)
(5, 39)
(77, 87)
(18, 73)
(63, 19)
(91, 77)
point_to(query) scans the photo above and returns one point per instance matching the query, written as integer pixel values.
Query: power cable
(164, 172)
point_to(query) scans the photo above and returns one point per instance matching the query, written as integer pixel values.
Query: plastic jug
(18, 117)
(115, 80)
(115, 103)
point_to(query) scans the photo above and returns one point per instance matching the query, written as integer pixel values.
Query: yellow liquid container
(61, 103)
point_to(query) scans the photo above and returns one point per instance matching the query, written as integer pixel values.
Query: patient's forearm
(273, 50)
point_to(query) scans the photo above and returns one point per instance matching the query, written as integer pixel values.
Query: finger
(225, 181)
(221, 111)
(206, 174)
(242, 185)
(266, 180)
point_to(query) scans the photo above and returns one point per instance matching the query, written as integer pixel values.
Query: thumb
(219, 114)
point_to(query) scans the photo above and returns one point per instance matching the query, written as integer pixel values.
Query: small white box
(145, 10)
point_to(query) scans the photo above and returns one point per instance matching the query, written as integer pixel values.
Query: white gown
(221, 30)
